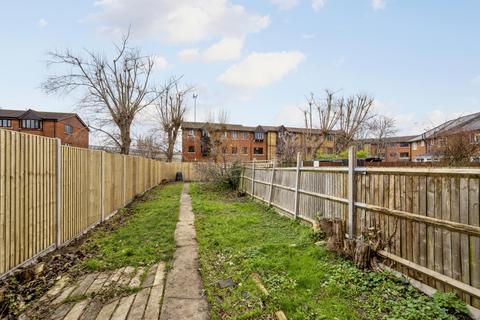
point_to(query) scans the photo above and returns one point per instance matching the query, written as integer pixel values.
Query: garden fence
(431, 214)
(51, 194)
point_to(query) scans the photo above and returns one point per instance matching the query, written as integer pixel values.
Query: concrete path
(184, 297)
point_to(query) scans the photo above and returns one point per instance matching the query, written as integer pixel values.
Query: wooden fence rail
(433, 214)
(51, 194)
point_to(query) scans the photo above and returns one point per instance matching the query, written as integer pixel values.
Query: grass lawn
(146, 237)
(238, 236)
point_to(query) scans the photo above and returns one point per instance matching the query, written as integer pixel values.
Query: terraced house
(68, 127)
(238, 142)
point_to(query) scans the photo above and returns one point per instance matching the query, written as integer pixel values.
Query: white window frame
(191, 133)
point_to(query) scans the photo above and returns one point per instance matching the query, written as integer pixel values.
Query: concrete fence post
(58, 192)
(102, 185)
(270, 193)
(253, 178)
(297, 182)
(352, 163)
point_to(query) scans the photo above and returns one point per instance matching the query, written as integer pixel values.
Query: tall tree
(114, 91)
(171, 110)
(353, 113)
(381, 128)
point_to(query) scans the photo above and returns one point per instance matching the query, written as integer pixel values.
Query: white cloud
(160, 63)
(187, 21)
(318, 4)
(189, 55)
(290, 115)
(42, 23)
(285, 4)
(308, 36)
(261, 69)
(225, 49)
(378, 4)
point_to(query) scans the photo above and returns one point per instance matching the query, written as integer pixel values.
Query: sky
(259, 59)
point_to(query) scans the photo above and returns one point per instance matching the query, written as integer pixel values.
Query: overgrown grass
(145, 238)
(239, 236)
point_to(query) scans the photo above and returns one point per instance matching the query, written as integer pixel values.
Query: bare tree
(149, 145)
(456, 149)
(114, 91)
(353, 113)
(171, 109)
(287, 146)
(380, 128)
(328, 116)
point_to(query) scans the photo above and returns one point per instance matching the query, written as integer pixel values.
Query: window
(224, 150)
(259, 135)
(329, 137)
(5, 123)
(403, 144)
(68, 129)
(476, 138)
(403, 154)
(224, 135)
(205, 133)
(191, 149)
(244, 150)
(422, 143)
(245, 135)
(191, 132)
(31, 124)
(234, 134)
(414, 146)
(257, 150)
(234, 150)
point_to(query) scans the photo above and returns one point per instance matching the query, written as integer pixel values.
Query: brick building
(68, 127)
(391, 149)
(426, 146)
(240, 142)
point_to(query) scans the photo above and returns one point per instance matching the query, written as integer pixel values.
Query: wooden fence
(432, 213)
(50, 194)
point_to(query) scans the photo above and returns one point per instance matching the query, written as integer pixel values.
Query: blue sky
(259, 59)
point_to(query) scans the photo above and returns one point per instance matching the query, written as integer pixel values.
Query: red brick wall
(56, 129)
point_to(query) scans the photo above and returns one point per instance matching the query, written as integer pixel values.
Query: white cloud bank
(285, 4)
(187, 21)
(261, 69)
(318, 4)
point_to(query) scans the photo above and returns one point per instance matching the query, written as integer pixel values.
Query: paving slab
(107, 310)
(148, 282)
(77, 310)
(135, 282)
(139, 304)
(123, 307)
(154, 303)
(184, 297)
(84, 285)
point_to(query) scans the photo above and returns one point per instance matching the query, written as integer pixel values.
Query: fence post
(125, 180)
(253, 179)
(102, 186)
(352, 163)
(271, 183)
(58, 192)
(297, 182)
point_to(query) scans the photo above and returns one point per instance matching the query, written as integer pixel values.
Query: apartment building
(68, 127)
(391, 149)
(244, 143)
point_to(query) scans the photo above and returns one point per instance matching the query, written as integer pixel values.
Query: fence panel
(94, 184)
(431, 216)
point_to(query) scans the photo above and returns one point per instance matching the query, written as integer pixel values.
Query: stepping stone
(138, 306)
(123, 307)
(62, 311)
(153, 306)
(179, 308)
(64, 295)
(160, 274)
(84, 285)
(77, 310)
(107, 310)
(57, 287)
(148, 282)
(92, 311)
(135, 282)
(98, 283)
(114, 277)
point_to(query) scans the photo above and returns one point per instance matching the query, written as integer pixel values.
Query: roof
(40, 115)
(469, 122)
(239, 127)
(398, 139)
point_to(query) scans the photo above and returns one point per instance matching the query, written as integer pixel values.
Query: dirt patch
(27, 284)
